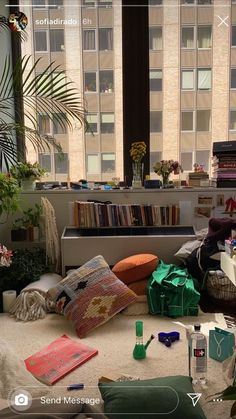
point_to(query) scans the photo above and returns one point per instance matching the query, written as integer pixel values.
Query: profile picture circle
(17, 21)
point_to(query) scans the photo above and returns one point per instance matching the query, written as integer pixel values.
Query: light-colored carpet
(115, 341)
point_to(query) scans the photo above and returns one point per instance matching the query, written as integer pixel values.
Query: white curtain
(156, 38)
(204, 79)
(187, 80)
(204, 37)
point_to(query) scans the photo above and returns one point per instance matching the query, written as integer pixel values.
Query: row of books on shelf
(93, 214)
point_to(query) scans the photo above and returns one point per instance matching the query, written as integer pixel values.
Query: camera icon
(21, 400)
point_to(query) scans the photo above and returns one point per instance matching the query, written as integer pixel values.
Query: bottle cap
(197, 327)
(139, 328)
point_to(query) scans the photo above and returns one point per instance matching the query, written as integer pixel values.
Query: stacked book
(94, 214)
(224, 171)
(197, 178)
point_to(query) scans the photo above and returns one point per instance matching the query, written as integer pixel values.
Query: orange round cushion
(136, 267)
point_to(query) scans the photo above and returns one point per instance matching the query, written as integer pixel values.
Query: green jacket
(171, 292)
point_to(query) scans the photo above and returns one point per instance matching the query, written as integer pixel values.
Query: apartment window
(45, 161)
(54, 4)
(187, 37)
(44, 124)
(186, 159)
(188, 1)
(187, 81)
(233, 35)
(155, 156)
(58, 127)
(92, 119)
(88, 3)
(203, 120)
(61, 163)
(90, 84)
(56, 40)
(187, 120)
(155, 121)
(107, 123)
(155, 2)
(93, 166)
(155, 37)
(233, 78)
(38, 4)
(104, 3)
(232, 125)
(204, 37)
(40, 41)
(105, 39)
(89, 40)
(204, 79)
(155, 81)
(204, 2)
(106, 81)
(203, 157)
(108, 162)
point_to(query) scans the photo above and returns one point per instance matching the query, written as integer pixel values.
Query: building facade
(192, 50)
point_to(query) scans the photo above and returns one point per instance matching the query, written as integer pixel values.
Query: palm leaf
(45, 93)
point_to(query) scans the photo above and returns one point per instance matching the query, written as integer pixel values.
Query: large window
(105, 39)
(203, 158)
(56, 40)
(233, 78)
(107, 123)
(92, 119)
(58, 128)
(45, 161)
(41, 44)
(233, 39)
(155, 81)
(204, 79)
(106, 81)
(187, 82)
(93, 166)
(61, 163)
(155, 121)
(108, 162)
(232, 125)
(186, 159)
(187, 121)
(155, 156)
(155, 37)
(90, 82)
(203, 120)
(89, 39)
(44, 124)
(187, 37)
(204, 37)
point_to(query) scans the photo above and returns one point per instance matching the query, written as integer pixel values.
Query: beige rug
(115, 341)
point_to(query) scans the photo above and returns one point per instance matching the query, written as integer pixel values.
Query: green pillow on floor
(166, 396)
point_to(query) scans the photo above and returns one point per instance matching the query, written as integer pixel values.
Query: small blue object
(79, 386)
(168, 338)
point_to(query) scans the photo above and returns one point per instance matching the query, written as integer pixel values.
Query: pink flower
(5, 256)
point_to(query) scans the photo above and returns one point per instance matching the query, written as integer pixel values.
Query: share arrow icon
(194, 397)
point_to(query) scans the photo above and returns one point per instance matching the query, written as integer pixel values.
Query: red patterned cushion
(91, 295)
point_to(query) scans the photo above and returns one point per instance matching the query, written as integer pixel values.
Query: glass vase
(165, 179)
(138, 168)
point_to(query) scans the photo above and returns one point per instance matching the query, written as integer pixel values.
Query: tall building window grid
(54, 163)
(197, 120)
(196, 36)
(49, 40)
(189, 158)
(100, 163)
(196, 79)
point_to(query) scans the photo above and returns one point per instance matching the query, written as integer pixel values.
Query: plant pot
(137, 181)
(27, 185)
(19, 235)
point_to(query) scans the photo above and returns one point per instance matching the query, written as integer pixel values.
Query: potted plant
(9, 195)
(18, 231)
(164, 168)
(27, 227)
(27, 173)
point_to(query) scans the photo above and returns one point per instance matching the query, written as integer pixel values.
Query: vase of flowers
(164, 168)
(27, 173)
(137, 152)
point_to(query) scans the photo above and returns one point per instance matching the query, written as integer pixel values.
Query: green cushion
(135, 399)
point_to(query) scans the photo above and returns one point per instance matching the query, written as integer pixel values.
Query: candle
(8, 298)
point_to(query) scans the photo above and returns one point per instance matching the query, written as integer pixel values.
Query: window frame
(95, 39)
(89, 92)
(194, 36)
(203, 69)
(202, 26)
(56, 31)
(99, 163)
(47, 41)
(193, 70)
(232, 110)
(210, 120)
(155, 69)
(152, 27)
(100, 123)
(98, 40)
(194, 122)
(232, 68)
(161, 121)
(101, 159)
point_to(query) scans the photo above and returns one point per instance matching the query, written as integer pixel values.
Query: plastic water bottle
(197, 355)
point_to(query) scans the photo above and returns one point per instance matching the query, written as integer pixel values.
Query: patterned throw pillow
(91, 295)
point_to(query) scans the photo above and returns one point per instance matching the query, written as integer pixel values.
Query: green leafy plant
(32, 215)
(27, 171)
(9, 195)
(40, 93)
